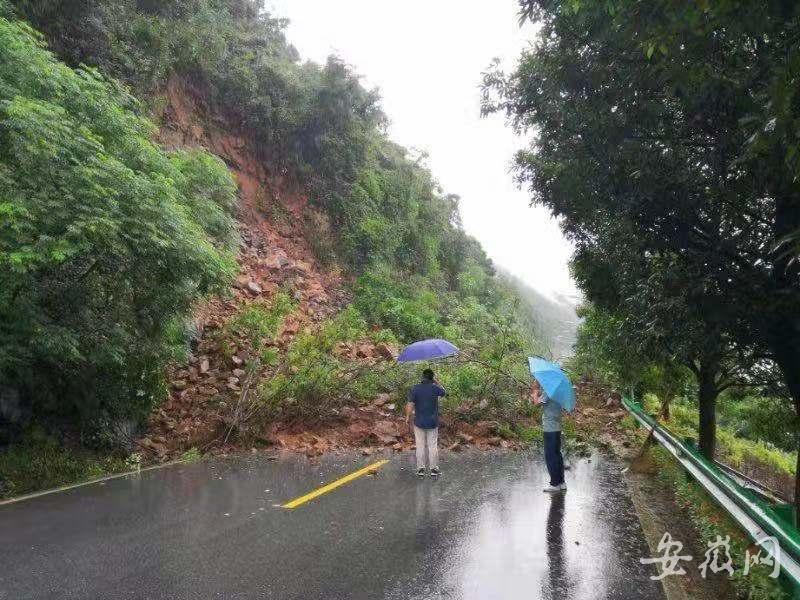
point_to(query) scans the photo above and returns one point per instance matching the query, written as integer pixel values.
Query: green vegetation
(315, 120)
(388, 212)
(754, 433)
(667, 143)
(311, 380)
(105, 239)
(702, 511)
(704, 515)
(191, 455)
(554, 320)
(734, 449)
(758, 418)
(258, 323)
(40, 461)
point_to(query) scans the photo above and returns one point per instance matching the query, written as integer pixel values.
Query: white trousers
(427, 441)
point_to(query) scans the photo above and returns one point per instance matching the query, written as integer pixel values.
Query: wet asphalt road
(213, 530)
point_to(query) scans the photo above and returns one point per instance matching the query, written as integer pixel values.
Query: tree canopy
(665, 139)
(105, 239)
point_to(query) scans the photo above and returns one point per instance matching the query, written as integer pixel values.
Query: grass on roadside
(40, 462)
(733, 449)
(711, 521)
(704, 514)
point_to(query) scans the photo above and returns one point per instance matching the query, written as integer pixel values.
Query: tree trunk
(784, 332)
(707, 400)
(797, 491)
(787, 354)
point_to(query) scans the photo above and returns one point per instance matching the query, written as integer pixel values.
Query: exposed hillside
(347, 247)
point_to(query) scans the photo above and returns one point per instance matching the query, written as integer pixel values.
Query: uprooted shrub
(312, 380)
(257, 323)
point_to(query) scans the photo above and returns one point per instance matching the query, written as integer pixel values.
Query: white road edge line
(72, 486)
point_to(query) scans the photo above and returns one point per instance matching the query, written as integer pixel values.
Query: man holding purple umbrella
(423, 401)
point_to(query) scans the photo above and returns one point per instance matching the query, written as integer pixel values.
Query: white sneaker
(552, 489)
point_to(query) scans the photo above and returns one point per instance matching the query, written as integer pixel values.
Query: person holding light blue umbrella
(552, 389)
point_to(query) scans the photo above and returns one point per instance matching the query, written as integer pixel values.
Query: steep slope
(274, 254)
(262, 338)
(555, 320)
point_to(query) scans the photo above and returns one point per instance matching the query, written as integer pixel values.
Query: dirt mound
(373, 428)
(274, 254)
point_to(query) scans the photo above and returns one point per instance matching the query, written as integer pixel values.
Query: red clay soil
(378, 426)
(274, 254)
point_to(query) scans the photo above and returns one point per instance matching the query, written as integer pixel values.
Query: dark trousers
(553, 458)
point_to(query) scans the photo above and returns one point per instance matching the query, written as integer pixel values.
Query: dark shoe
(420, 472)
(435, 472)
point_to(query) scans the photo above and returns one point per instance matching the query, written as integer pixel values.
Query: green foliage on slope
(555, 321)
(316, 120)
(105, 239)
(704, 514)
(40, 461)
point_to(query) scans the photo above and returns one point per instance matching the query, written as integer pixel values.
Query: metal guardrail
(747, 482)
(757, 518)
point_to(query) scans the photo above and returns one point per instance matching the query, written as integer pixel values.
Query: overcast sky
(426, 57)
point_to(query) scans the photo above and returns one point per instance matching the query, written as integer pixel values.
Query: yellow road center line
(335, 484)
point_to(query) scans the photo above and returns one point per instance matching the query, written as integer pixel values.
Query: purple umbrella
(426, 350)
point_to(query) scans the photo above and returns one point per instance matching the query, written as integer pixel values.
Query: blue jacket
(425, 396)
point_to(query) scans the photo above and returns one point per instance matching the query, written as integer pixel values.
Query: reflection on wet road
(213, 530)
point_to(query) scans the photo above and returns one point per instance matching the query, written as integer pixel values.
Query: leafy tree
(648, 292)
(105, 239)
(408, 308)
(676, 121)
(415, 269)
(641, 144)
(334, 138)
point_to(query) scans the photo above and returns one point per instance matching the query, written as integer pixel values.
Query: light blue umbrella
(554, 381)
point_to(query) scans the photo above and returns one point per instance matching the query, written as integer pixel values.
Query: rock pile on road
(274, 255)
